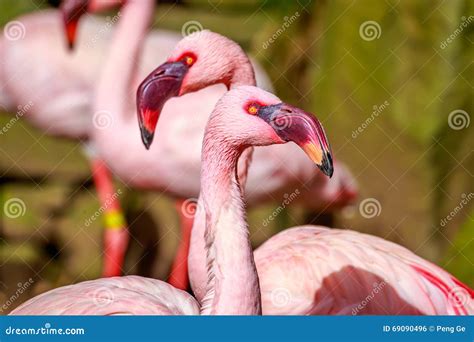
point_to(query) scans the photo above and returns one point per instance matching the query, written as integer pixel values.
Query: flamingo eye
(189, 60)
(253, 108)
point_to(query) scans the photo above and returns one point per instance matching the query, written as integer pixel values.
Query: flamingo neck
(232, 283)
(114, 94)
(242, 74)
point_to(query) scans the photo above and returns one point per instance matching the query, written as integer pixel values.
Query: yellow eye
(189, 60)
(252, 109)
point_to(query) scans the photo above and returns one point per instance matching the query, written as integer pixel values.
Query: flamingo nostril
(159, 73)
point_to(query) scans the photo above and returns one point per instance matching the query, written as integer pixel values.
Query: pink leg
(179, 270)
(116, 234)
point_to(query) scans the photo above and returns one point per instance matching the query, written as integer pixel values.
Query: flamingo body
(130, 295)
(60, 84)
(312, 270)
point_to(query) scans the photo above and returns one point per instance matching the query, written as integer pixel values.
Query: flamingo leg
(116, 235)
(179, 270)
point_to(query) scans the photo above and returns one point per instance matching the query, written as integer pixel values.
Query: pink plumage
(304, 270)
(312, 270)
(130, 295)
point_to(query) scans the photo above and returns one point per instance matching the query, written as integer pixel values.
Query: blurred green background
(339, 59)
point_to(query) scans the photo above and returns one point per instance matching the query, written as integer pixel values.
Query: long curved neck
(114, 91)
(232, 286)
(243, 74)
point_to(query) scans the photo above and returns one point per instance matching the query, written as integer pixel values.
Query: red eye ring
(188, 58)
(252, 108)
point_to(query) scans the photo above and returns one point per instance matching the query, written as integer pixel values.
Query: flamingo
(59, 90)
(72, 12)
(232, 285)
(179, 146)
(205, 59)
(308, 269)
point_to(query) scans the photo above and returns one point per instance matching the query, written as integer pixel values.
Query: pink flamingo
(178, 148)
(305, 270)
(242, 118)
(58, 94)
(277, 171)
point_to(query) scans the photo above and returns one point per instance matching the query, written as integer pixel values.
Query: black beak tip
(70, 46)
(147, 137)
(327, 165)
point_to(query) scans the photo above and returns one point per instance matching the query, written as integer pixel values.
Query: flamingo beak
(157, 88)
(72, 11)
(294, 124)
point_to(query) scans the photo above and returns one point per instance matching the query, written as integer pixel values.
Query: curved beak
(157, 88)
(294, 124)
(72, 11)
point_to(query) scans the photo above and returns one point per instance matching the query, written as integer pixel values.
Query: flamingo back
(130, 295)
(314, 270)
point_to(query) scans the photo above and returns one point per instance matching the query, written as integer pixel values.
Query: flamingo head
(249, 116)
(199, 60)
(73, 10)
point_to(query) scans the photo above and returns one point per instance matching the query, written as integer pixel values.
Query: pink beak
(157, 88)
(293, 124)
